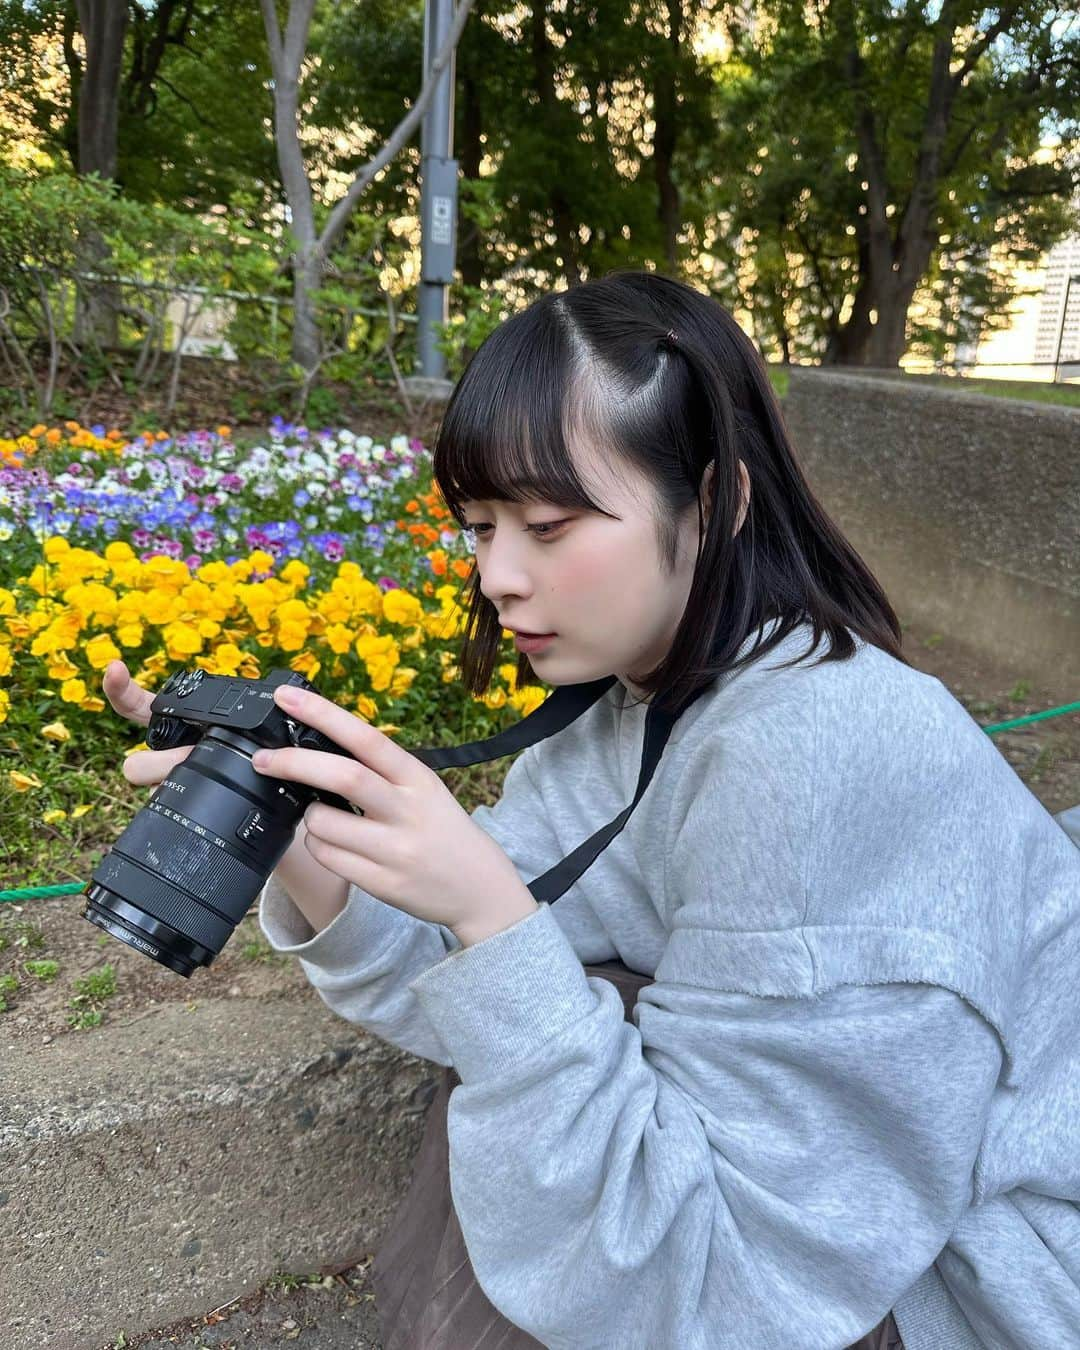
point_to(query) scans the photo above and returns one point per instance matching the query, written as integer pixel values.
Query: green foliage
(98, 984)
(790, 185)
(482, 310)
(90, 992)
(44, 970)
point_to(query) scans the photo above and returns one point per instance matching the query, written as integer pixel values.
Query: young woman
(795, 1064)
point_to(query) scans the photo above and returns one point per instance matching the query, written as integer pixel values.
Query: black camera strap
(558, 710)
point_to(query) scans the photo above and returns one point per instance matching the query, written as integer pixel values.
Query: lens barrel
(192, 861)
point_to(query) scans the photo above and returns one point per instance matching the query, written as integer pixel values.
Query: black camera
(189, 866)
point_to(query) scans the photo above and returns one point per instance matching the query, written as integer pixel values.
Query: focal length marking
(192, 825)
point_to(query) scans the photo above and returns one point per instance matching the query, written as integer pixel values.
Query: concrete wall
(154, 1170)
(966, 507)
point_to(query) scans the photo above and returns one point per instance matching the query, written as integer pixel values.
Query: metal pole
(438, 202)
(1064, 315)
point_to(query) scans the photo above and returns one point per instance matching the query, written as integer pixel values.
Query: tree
(881, 142)
(311, 245)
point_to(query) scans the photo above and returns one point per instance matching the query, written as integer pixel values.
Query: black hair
(651, 371)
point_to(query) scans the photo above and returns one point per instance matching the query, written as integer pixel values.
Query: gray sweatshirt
(854, 1084)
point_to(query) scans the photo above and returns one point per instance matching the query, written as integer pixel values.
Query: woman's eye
(542, 530)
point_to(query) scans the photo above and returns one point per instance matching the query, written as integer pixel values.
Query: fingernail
(289, 695)
(261, 758)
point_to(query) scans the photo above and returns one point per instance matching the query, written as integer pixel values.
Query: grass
(91, 991)
(45, 971)
(1037, 391)
(8, 985)
(260, 951)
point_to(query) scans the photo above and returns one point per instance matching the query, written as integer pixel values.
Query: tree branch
(339, 216)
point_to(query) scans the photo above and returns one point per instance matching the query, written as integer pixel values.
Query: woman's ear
(744, 475)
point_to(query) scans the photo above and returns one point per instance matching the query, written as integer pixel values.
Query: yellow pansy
(5, 661)
(23, 782)
(73, 691)
(56, 731)
(53, 817)
(261, 561)
(213, 573)
(307, 663)
(402, 680)
(100, 650)
(227, 659)
(92, 704)
(5, 704)
(7, 601)
(56, 547)
(61, 667)
(292, 636)
(80, 811)
(401, 607)
(181, 639)
(339, 638)
(118, 551)
(295, 572)
(130, 634)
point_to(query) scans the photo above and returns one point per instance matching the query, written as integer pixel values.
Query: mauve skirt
(426, 1295)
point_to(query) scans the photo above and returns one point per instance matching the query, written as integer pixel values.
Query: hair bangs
(506, 432)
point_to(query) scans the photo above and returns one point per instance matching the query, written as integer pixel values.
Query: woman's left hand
(414, 847)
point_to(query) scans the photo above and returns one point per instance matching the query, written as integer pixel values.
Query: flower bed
(320, 551)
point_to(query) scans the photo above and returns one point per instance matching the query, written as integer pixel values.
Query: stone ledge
(155, 1168)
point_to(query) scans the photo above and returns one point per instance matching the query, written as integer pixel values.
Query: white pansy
(399, 444)
(379, 453)
(333, 513)
(346, 437)
(6, 530)
(317, 489)
(364, 443)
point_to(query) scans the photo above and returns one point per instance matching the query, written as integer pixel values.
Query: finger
(361, 871)
(129, 699)
(353, 734)
(330, 773)
(334, 826)
(145, 768)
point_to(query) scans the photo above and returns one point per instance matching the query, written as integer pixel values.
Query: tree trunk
(103, 24)
(306, 339)
(470, 259)
(665, 117)
(544, 83)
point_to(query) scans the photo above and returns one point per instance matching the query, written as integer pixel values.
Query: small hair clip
(672, 336)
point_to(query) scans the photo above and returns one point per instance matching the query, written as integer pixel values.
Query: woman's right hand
(144, 768)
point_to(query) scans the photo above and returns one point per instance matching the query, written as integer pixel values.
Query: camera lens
(191, 863)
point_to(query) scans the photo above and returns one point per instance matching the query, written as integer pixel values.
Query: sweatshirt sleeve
(361, 963)
(720, 1172)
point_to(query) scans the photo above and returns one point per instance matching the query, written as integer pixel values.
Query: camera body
(190, 702)
(191, 862)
